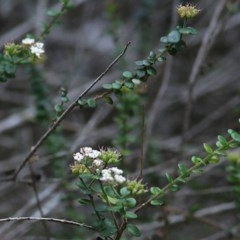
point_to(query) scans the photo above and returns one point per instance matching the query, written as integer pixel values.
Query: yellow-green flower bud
(109, 156)
(136, 187)
(78, 168)
(187, 11)
(11, 49)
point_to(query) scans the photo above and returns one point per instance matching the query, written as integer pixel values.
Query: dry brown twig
(46, 220)
(65, 113)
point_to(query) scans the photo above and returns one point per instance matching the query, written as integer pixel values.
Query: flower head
(109, 156)
(187, 11)
(78, 157)
(28, 41)
(112, 175)
(136, 187)
(37, 49)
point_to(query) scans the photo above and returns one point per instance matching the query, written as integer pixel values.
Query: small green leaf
(129, 214)
(183, 170)
(161, 59)
(223, 141)
(52, 13)
(58, 108)
(169, 177)
(107, 86)
(196, 160)
(133, 230)
(129, 84)
(164, 39)
(110, 192)
(214, 159)
(92, 103)
(84, 201)
(174, 36)
(141, 73)
(116, 86)
(188, 30)
(174, 188)
(156, 190)
(146, 63)
(235, 135)
(64, 99)
(107, 228)
(182, 180)
(10, 68)
(130, 202)
(82, 102)
(108, 100)
(124, 191)
(157, 202)
(139, 63)
(127, 74)
(151, 71)
(207, 148)
(83, 188)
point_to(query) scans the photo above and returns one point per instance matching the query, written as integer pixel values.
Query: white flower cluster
(36, 48)
(112, 174)
(90, 153)
(86, 152)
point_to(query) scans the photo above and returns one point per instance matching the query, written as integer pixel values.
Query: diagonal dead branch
(65, 113)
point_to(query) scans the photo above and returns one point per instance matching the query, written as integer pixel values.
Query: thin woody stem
(57, 220)
(65, 113)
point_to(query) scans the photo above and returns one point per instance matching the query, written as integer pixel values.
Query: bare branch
(57, 220)
(65, 113)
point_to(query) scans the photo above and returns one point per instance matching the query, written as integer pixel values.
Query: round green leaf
(157, 202)
(156, 190)
(141, 73)
(188, 30)
(130, 202)
(92, 103)
(116, 86)
(151, 71)
(164, 39)
(174, 36)
(129, 84)
(108, 100)
(124, 191)
(133, 230)
(107, 86)
(129, 214)
(58, 108)
(127, 74)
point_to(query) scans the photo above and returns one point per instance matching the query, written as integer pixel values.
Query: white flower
(106, 175)
(113, 174)
(28, 41)
(78, 156)
(89, 152)
(94, 154)
(119, 178)
(116, 170)
(37, 49)
(85, 150)
(97, 163)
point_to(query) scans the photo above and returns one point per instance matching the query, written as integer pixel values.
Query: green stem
(54, 20)
(178, 179)
(109, 204)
